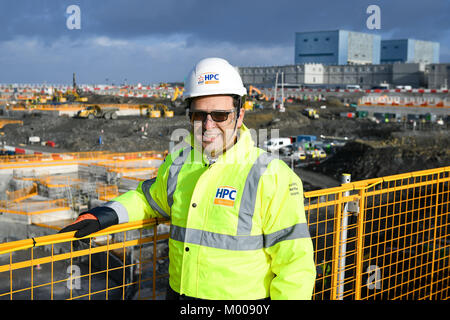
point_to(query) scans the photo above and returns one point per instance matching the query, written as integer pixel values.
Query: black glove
(95, 219)
(85, 224)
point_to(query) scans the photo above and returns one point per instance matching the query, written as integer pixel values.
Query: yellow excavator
(59, 97)
(165, 110)
(178, 93)
(155, 110)
(74, 94)
(258, 96)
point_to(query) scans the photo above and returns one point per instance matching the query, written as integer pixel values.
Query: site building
(438, 75)
(366, 76)
(409, 51)
(337, 47)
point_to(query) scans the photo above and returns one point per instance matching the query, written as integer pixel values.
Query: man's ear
(241, 118)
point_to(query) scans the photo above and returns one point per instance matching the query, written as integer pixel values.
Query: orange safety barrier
(22, 194)
(107, 192)
(382, 238)
(81, 156)
(34, 207)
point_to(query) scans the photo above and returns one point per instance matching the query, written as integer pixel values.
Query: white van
(275, 144)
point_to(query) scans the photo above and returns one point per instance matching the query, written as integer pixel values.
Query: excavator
(258, 96)
(175, 101)
(74, 94)
(178, 93)
(58, 97)
(311, 113)
(166, 112)
(155, 110)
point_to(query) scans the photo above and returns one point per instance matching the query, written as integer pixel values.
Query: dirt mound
(364, 160)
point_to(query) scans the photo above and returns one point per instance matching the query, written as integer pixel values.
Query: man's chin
(210, 150)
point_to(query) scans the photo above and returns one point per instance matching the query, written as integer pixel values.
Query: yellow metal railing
(383, 238)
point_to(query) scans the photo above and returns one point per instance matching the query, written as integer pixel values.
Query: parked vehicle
(275, 144)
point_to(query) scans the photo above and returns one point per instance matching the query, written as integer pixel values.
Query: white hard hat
(212, 76)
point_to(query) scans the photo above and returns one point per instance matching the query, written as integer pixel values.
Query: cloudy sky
(153, 41)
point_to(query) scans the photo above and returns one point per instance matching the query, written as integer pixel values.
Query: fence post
(345, 178)
(360, 244)
(435, 241)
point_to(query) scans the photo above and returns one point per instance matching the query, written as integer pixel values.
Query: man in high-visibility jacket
(238, 225)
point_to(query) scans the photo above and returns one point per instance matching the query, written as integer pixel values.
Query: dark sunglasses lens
(198, 116)
(219, 116)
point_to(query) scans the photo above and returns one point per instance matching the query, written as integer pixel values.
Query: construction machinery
(152, 112)
(74, 94)
(257, 94)
(165, 110)
(248, 105)
(177, 93)
(311, 113)
(175, 101)
(156, 110)
(58, 97)
(95, 111)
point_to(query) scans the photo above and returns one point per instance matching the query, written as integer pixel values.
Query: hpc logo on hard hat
(208, 78)
(211, 76)
(225, 196)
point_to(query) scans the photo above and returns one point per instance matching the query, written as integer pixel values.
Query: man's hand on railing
(85, 224)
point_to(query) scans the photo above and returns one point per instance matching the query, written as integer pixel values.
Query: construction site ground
(372, 149)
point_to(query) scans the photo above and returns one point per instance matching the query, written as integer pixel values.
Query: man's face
(215, 136)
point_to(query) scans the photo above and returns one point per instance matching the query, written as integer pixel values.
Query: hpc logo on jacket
(225, 196)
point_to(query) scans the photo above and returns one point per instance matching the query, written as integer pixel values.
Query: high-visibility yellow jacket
(238, 226)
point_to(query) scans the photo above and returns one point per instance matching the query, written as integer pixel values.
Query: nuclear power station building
(340, 58)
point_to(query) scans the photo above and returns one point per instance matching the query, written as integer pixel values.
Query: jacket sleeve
(286, 234)
(149, 200)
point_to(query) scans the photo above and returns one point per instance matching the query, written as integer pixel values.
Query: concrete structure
(409, 51)
(366, 76)
(293, 74)
(416, 75)
(337, 47)
(50, 188)
(412, 74)
(438, 75)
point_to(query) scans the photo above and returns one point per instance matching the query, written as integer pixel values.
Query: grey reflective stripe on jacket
(172, 179)
(248, 199)
(146, 190)
(174, 170)
(237, 243)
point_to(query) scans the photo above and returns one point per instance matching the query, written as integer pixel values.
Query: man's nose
(209, 123)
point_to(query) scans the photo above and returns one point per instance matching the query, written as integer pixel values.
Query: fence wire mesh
(384, 238)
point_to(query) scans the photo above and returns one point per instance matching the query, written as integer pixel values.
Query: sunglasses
(217, 116)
